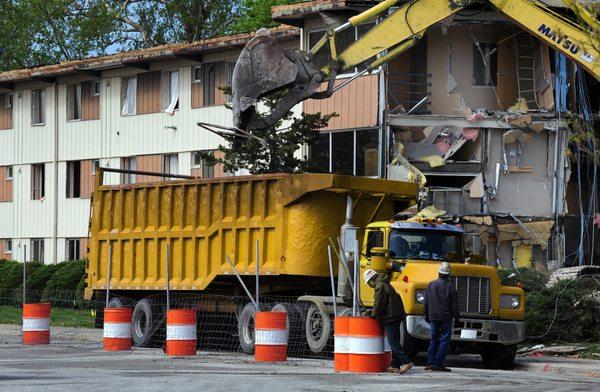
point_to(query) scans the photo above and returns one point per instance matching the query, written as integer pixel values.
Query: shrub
(63, 283)
(529, 279)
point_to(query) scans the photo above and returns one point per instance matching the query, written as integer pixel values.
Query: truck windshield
(425, 245)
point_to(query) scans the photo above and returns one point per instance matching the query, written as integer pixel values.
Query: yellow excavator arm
(272, 69)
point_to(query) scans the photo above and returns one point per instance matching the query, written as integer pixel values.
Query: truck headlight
(419, 296)
(509, 301)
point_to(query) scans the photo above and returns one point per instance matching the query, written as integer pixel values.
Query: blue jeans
(392, 334)
(439, 340)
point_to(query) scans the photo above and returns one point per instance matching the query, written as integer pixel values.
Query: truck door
(374, 238)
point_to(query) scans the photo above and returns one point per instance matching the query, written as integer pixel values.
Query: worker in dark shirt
(441, 308)
(387, 308)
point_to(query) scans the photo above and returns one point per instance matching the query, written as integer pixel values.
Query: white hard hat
(369, 274)
(444, 268)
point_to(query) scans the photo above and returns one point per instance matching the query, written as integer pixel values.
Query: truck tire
(115, 302)
(318, 329)
(246, 328)
(141, 323)
(409, 344)
(499, 356)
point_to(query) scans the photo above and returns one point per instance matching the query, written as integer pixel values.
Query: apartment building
(133, 110)
(478, 106)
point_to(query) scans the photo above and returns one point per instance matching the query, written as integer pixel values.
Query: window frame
(77, 101)
(488, 75)
(166, 165)
(8, 173)
(128, 178)
(41, 93)
(204, 168)
(346, 74)
(8, 249)
(194, 68)
(93, 92)
(72, 180)
(166, 76)
(76, 248)
(124, 90)
(8, 101)
(94, 164)
(208, 67)
(38, 194)
(37, 246)
(355, 136)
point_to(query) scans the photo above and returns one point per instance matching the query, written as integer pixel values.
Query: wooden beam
(143, 65)
(90, 72)
(197, 57)
(45, 79)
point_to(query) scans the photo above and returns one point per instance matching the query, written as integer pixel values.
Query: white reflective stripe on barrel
(117, 330)
(341, 344)
(36, 324)
(364, 345)
(271, 337)
(181, 332)
(386, 345)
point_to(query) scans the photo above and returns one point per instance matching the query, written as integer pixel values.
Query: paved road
(81, 367)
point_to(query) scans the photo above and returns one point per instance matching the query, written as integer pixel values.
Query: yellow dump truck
(198, 224)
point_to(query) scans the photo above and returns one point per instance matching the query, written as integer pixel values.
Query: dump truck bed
(202, 221)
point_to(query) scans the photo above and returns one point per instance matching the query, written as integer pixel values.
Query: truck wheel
(409, 344)
(115, 302)
(141, 322)
(318, 329)
(499, 356)
(246, 328)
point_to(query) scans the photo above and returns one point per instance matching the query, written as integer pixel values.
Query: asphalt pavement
(85, 367)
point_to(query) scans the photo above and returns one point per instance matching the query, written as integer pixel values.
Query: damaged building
(481, 108)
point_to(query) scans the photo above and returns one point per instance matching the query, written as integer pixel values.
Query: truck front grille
(474, 295)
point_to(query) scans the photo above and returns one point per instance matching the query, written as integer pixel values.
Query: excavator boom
(264, 68)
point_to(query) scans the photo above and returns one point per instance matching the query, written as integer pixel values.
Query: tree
(273, 149)
(255, 14)
(39, 32)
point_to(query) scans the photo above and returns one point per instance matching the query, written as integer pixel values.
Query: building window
(208, 84)
(37, 181)
(73, 251)
(198, 162)
(129, 96)
(8, 101)
(74, 102)
(170, 91)
(170, 165)
(37, 250)
(8, 247)
(38, 107)
(73, 186)
(95, 90)
(9, 173)
(343, 40)
(485, 64)
(353, 152)
(95, 164)
(129, 163)
(197, 74)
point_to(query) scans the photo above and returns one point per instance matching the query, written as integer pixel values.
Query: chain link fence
(224, 323)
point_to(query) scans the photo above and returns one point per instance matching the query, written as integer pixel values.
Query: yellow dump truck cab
(491, 315)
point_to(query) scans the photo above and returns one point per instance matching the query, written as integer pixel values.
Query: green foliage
(11, 273)
(578, 314)
(64, 282)
(528, 279)
(39, 32)
(273, 149)
(256, 14)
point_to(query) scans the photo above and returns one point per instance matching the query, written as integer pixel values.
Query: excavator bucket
(262, 68)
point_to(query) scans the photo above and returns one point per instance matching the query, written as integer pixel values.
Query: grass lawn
(58, 317)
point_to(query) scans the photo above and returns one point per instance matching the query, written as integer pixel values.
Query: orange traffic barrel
(117, 329)
(387, 353)
(270, 337)
(341, 338)
(36, 323)
(181, 332)
(365, 346)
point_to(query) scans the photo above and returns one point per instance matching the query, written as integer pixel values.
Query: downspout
(382, 128)
(55, 165)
